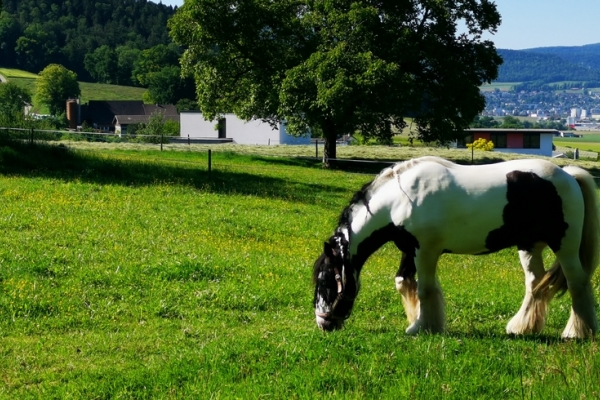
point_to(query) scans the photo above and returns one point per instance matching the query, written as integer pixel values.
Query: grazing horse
(429, 206)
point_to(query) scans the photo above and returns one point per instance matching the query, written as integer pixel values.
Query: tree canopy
(339, 66)
(13, 98)
(55, 86)
(36, 33)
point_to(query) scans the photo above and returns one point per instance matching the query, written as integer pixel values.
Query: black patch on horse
(408, 244)
(533, 214)
(404, 240)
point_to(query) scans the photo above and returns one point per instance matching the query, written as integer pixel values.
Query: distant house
(523, 141)
(117, 115)
(193, 126)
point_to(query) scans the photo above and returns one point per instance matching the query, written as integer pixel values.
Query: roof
(511, 130)
(139, 119)
(103, 112)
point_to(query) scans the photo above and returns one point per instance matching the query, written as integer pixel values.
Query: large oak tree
(338, 66)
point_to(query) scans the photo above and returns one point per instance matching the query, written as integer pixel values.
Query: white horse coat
(429, 206)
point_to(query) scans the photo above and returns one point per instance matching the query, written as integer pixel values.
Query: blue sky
(537, 23)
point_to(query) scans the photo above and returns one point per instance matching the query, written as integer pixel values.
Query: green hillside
(587, 56)
(89, 91)
(525, 66)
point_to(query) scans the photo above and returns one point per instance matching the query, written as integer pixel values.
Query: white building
(575, 112)
(194, 126)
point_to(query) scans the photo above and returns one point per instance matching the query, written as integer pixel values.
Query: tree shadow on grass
(365, 166)
(58, 162)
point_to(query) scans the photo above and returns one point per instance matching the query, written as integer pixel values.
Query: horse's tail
(589, 250)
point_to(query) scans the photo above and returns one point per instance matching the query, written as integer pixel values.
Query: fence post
(209, 161)
(189, 143)
(162, 139)
(317, 148)
(31, 136)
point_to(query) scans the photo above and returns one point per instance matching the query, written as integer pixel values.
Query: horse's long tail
(589, 250)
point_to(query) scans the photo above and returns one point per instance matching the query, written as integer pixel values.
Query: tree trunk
(329, 154)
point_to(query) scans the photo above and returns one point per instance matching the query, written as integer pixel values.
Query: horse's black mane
(361, 195)
(317, 267)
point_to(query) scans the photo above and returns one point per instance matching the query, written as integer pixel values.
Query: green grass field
(89, 91)
(17, 73)
(129, 273)
(588, 142)
(502, 86)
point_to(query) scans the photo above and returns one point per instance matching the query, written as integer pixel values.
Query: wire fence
(312, 154)
(576, 153)
(44, 135)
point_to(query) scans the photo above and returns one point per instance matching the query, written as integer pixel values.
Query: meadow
(130, 273)
(588, 142)
(89, 91)
(501, 86)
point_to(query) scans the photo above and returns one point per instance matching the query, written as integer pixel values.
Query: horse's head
(336, 285)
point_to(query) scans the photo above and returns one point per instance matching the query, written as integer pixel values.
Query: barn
(522, 141)
(194, 126)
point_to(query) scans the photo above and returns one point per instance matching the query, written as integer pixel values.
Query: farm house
(193, 126)
(523, 141)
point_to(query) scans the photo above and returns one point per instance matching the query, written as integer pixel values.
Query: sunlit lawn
(135, 274)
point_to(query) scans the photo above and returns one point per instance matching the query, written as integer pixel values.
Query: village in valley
(579, 108)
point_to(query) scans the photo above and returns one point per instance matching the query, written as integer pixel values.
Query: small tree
(13, 98)
(511, 122)
(481, 144)
(154, 130)
(55, 85)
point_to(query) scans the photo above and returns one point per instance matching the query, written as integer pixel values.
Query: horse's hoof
(413, 330)
(399, 281)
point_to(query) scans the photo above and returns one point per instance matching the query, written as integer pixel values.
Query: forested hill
(551, 64)
(587, 56)
(35, 33)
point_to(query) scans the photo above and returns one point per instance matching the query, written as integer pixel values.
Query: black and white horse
(430, 206)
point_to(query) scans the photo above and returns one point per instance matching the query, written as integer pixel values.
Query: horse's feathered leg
(431, 316)
(579, 256)
(583, 321)
(532, 314)
(406, 284)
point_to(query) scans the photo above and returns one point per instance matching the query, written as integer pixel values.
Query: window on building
(499, 140)
(531, 141)
(462, 142)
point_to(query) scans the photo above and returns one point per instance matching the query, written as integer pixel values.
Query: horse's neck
(369, 230)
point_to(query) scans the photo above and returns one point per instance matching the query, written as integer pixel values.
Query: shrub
(481, 144)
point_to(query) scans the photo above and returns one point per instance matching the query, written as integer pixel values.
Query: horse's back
(475, 209)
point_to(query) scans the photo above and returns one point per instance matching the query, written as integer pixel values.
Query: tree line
(510, 122)
(122, 42)
(529, 66)
(541, 86)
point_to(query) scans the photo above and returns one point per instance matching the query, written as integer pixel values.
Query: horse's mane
(383, 177)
